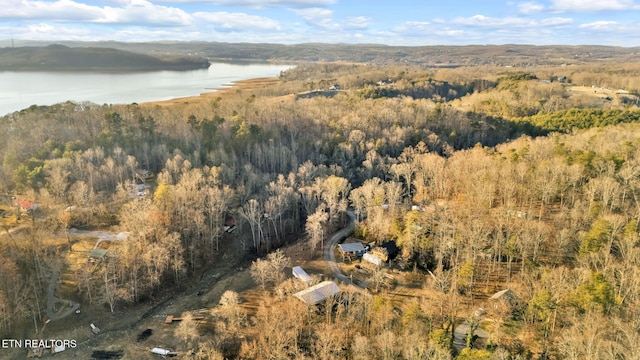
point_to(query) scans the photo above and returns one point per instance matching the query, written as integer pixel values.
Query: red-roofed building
(27, 206)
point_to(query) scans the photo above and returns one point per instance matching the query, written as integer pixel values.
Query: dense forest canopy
(486, 177)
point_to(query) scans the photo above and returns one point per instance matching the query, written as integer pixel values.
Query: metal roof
(352, 247)
(299, 273)
(318, 292)
(500, 294)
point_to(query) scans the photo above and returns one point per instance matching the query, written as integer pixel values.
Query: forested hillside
(487, 178)
(437, 55)
(62, 58)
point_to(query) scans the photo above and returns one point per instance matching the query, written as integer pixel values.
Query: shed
(372, 259)
(502, 295)
(27, 206)
(356, 249)
(161, 351)
(301, 275)
(504, 300)
(316, 293)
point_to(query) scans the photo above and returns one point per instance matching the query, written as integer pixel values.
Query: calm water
(19, 90)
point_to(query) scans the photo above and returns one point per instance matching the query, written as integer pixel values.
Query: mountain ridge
(59, 57)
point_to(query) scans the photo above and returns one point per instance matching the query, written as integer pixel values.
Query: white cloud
(133, 11)
(238, 21)
(530, 8)
(313, 13)
(413, 26)
(435, 33)
(260, 4)
(556, 21)
(62, 10)
(317, 17)
(481, 20)
(509, 22)
(144, 12)
(593, 5)
(356, 23)
(601, 25)
(42, 31)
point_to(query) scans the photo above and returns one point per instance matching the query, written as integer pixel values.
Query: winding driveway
(101, 235)
(67, 307)
(60, 308)
(330, 257)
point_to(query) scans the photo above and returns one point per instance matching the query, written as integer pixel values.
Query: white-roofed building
(301, 275)
(316, 293)
(372, 259)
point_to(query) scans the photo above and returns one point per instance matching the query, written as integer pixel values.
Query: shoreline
(235, 86)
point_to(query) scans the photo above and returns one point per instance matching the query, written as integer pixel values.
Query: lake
(21, 89)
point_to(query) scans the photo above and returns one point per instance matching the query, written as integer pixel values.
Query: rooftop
(318, 292)
(352, 247)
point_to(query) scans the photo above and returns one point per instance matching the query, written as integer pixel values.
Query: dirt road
(329, 256)
(64, 307)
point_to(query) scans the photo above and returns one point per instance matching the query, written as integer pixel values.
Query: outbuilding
(317, 293)
(301, 275)
(372, 259)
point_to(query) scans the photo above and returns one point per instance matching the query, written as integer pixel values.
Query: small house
(301, 275)
(352, 249)
(504, 295)
(142, 175)
(27, 206)
(503, 301)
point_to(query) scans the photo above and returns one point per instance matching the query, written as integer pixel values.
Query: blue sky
(392, 22)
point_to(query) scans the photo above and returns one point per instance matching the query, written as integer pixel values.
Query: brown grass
(242, 85)
(587, 90)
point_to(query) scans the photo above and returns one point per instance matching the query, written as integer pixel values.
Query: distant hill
(62, 58)
(433, 56)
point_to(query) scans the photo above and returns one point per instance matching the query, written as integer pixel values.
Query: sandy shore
(241, 85)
